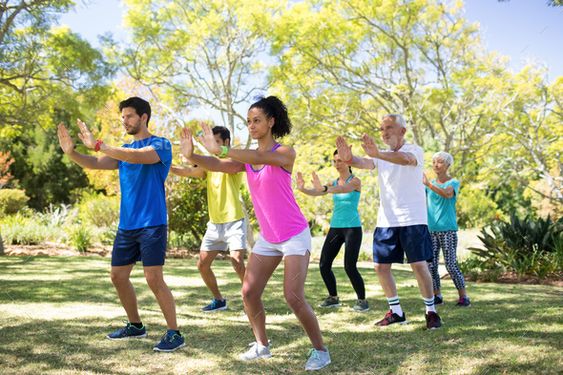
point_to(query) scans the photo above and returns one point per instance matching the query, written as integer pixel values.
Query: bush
(475, 208)
(21, 230)
(99, 210)
(80, 238)
(525, 246)
(12, 200)
(187, 212)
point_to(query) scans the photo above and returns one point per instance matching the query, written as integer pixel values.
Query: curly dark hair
(272, 106)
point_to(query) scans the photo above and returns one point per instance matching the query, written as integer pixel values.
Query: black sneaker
(128, 332)
(433, 320)
(463, 302)
(391, 318)
(330, 301)
(438, 300)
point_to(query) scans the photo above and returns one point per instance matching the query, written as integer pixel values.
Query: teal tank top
(345, 214)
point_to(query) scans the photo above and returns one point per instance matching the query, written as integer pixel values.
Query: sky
(524, 30)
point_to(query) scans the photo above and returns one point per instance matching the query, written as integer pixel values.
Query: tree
(201, 54)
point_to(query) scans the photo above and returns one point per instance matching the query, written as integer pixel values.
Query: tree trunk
(1, 245)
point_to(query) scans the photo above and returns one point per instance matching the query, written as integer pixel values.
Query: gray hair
(399, 119)
(447, 158)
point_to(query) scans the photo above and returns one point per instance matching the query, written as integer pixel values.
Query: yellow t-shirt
(223, 197)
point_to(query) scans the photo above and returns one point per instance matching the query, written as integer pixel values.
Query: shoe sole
(330, 306)
(360, 311)
(126, 337)
(392, 324)
(168, 350)
(265, 356)
(215, 310)
(318, 368)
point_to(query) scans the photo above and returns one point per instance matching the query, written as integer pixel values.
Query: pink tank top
(277, 211)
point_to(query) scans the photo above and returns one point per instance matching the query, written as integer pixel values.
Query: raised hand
(186, 143)
(369, 146)
(85, 135)
(65, 140)
(300, 181)
(344, 151)
(208, 140)
(317, 182)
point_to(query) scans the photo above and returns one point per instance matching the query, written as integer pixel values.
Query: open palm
(208, 140)
(66, 142)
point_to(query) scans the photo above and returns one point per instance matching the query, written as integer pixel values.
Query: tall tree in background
(200, 53)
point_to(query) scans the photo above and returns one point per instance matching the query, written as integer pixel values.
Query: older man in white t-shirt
(402, 218)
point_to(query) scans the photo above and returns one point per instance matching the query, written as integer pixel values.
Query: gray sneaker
(256, 351)
(317, 360)
(330, 301)
(361, 305)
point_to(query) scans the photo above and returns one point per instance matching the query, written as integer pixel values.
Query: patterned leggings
(448, 242)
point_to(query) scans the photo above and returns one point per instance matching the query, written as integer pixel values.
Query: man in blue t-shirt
(143, 166)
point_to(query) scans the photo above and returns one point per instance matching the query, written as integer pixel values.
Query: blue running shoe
(128, 332)
(170, 342)
(215, 305)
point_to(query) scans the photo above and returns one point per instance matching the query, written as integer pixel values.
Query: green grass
(55, 312)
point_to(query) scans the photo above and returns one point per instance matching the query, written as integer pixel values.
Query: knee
(118, 278)
(249, 294)
(238, 264)
(350, 269)
(154, 280)
(203, 265)
(382, 268)
(294, 301)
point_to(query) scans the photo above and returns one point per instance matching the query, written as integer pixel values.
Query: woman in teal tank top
(345, 228)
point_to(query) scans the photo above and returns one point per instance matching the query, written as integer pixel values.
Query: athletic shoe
(256, 351)
(330, 301)
(170, 342)
(128, 332)
(215, 305)
(317, 360)
(391, 318)
(438, 300)
(463, 302)
(433, 320)
(361, 305)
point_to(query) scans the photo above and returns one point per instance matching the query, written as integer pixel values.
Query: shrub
(475, 208)
(526, 246)
(99, 210)
(80, 238)
(21, 230)
(187, 212)
(12, 200)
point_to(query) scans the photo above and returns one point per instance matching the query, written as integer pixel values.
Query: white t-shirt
(402, 200)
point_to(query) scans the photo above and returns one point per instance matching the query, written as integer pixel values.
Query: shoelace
(314, 354)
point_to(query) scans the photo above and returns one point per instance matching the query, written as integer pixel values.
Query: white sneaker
(256, 351)
(317, 360)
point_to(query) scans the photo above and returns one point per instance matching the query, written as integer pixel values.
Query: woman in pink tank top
(284, 232)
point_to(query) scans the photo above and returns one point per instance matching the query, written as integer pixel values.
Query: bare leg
(155, 279)
(258, 272)
(423, 278)
(383, 271)
(295, 273)
(204, 267)
(125, 291)
(237, 260)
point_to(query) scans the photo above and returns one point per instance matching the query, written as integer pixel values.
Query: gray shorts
(226, 236)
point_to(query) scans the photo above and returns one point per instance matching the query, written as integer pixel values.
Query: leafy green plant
(12, 200)
(22, 230)
(528, 246)
(98, 210)
(80, 237)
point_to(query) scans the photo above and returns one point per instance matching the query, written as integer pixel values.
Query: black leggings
(352, 238)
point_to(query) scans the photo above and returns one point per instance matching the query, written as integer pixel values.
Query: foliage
(475, 208)
(99, 210)
(23, 230)
(12, 200)
(80, 237)
(5, 161)
(187, 211)
(528, 246)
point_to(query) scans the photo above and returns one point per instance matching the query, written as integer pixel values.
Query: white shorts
(299, 244)
(226, 236)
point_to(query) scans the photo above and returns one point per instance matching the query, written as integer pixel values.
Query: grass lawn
(55, 312)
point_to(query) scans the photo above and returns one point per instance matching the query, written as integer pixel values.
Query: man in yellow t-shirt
(226, 229)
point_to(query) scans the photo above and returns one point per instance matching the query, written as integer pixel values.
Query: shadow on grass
(509, 328)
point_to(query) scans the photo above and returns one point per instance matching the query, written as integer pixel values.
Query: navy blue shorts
(391, 244)
(146, 244)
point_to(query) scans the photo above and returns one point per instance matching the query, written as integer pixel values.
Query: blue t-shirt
(441, 211)
(143, 199)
